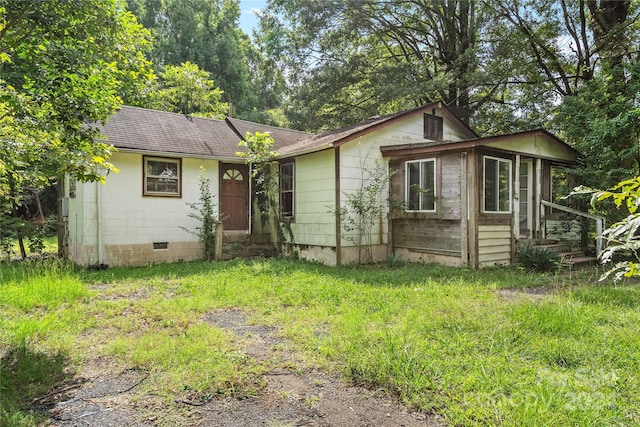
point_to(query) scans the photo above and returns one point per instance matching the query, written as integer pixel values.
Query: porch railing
(600, 221)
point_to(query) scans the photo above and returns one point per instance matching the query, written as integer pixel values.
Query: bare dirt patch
(293, 394)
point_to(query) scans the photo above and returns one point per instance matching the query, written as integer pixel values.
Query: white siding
(314, 196)
(133, 222)
(359, 161)
(494, 245)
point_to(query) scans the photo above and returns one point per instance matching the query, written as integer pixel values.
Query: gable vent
(433, 126)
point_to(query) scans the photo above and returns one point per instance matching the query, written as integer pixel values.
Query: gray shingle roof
(143, 129)
(282, 137)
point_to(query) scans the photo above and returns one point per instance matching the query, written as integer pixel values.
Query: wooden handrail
(571, 210)
(600, 220)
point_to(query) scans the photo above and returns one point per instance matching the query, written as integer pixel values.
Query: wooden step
(579, 261)
(248, 250)
(557, 247)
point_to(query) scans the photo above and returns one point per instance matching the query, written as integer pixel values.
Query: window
(286, 189)
(433, 127)
(162, 177)
(497, 185)
(420, 194)
(232, 175)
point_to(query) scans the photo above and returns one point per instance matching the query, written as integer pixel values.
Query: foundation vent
(160, 245)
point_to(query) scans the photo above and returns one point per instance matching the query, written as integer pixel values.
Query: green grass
(442, 340)
(50, 247)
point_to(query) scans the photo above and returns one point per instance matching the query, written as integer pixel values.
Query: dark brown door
(234, 196)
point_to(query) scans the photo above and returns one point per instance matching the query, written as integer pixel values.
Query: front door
(234, 196)
(526, 197)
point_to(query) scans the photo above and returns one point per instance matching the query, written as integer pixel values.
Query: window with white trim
(497, 185)
(420, 193)
(287, 171)
(162, 176)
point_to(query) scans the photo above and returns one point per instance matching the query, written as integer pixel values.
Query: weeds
(441, 339)
(538, 259)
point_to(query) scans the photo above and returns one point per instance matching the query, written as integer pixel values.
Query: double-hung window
(497, 185)
(162, 176)
(420, 194)
(287, 204)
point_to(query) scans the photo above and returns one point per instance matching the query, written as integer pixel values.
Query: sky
(248, 18)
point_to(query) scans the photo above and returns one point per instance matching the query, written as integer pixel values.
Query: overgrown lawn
(456, 342)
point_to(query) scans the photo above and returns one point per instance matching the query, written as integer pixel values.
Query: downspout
(541, 227)
(336, 166)
(99, 223)
(249, 166)
(516, 200)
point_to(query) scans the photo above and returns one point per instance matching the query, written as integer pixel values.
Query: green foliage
(538, 259)
(260, 157)
(205, 32)
(365, 208)
(8, 232)
(502, 66)
(204, 211)
(64, 66)
(418, 331)
(622, 238)
(187, 89)
(602, 121)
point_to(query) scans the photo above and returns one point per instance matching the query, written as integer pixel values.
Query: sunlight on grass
(442, 340)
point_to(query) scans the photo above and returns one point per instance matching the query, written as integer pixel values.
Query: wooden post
(473, 208)
(464, 209)
(539, 220)
(516, 200)
(219, 236)
(338, 231)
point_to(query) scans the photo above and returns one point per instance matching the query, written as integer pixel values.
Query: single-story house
(456, 198)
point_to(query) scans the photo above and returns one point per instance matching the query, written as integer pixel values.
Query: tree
(203, 32)
(260, 157)
(187, 89)
(622, 237)
(350, 60)
(503, 66)
(63, 66)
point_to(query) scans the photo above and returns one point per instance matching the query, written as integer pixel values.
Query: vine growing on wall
(264, 172)
(365, 209)
(204, 211)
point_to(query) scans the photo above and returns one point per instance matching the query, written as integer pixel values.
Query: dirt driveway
(294, 395)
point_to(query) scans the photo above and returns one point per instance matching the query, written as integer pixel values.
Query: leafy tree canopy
(502, 66)
(187, 89)
(205, 32)
(63, 65)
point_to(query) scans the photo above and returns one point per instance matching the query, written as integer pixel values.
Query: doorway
(234, 196)
(526, 198)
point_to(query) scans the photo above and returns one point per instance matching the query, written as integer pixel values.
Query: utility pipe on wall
(99, 228)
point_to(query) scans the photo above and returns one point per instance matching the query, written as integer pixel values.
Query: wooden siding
(358, 162)
(535, 146)
(449, 194)
(427, 234)
(436, 232)
(314, 223)
(494, 244)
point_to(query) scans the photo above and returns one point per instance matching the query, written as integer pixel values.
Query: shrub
(538, 258)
